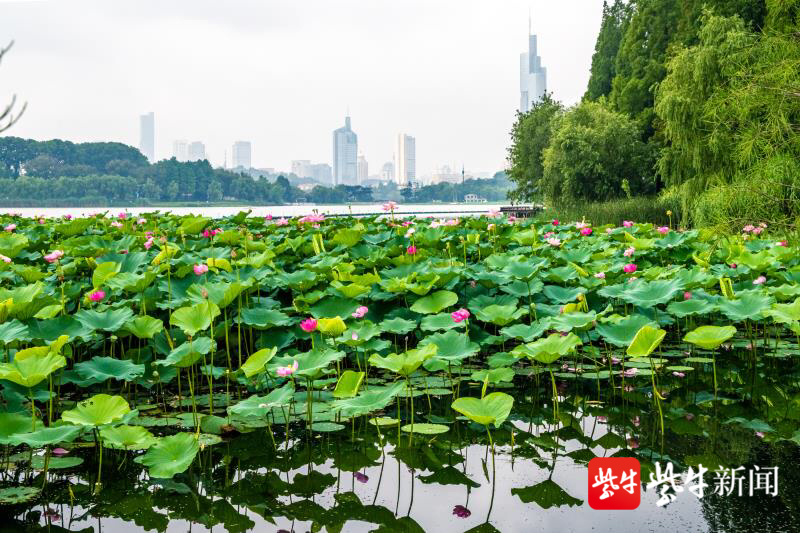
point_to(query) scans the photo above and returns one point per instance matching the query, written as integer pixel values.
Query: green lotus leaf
(18, 495)
(99, 369)
(11, 244)
(548, 349)
(332, 327)
(576, 320)
(170, 455)
(188, 353)
(369, 400)
(425, 429)
(259, 406)
(13, 423)
(334, 306)
(562, 295)
(98, 410)
(493, 408)
(399, 326)
(527, 332)
(104, 272)
(363, 331)
(710, 337)
(405, 363)
(499, 315)
(110, 320)
(265, 318)
(195, 318)
(126, 437)
(622, 332)
(144, 327)
(435, 302)
(348, 384)
(494, 375)
(784, 313)
(693, 306)
(312, 364)
(645, 341)
(55, 463)
(451, 346)
(131, 282)
(29, 368)
(438, 322)
(546, 495)
(13, 331)
(46, 436)
(651, 293)
(748, 306)
(256, 362)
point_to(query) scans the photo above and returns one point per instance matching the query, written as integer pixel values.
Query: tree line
(694, 100)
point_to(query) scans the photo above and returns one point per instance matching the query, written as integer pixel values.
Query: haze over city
(282, 75)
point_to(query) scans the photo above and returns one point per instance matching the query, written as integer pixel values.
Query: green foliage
(612, 29)
(593, 150)
(530, 136)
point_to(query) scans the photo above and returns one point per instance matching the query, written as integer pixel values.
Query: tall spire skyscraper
(345, 155)
(532, 75)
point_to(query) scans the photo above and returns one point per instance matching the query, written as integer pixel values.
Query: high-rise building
(147, 136)
(363, 169)
(180, 150)
(300, 168)
(405, 159)
(321, 173)
(387, 171)
(197, 151)
(240, 155)
(345, 155)
(532, 75)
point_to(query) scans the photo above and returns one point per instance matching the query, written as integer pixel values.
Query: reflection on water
(274, 210)
(362, 479)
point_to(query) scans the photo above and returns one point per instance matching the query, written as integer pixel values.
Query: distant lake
(275, 211)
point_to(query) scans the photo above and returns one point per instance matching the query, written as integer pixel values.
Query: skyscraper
(300, 168)
(387, 171)
(405, 159)
(240, 155)
(532, 75)
(345, 155)
(147, 136)
(363, 169)
(180, 150)
(197, 151)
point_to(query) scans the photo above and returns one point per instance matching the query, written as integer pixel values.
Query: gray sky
(282, 73)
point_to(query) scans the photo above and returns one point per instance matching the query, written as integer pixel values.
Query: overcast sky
(282, 73)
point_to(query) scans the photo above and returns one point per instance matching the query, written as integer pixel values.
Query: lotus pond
(182, 373)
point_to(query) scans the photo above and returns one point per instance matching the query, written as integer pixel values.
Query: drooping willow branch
(7, 115)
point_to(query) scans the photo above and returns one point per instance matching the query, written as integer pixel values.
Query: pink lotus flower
(733, 265)
(549, 234)
(42, 221)
(760, 434)
(268, 217)
(600, 275)
(630, 372)
(782, 243)
(609, 230)
(361, 478)
(122, 216)
(757, 231)
(759, 280)
(141, 221)
(627, 223)
(308, 325)
(54, 256)
(5, 259)
(389, 206)
(452, 222)
(59, 452)
(556, 222)
(679, 374)
(633, 443)
(281, 222)
(586, 231)
(286, 371)
(360, 312)
(407, 223)
(200, 269)
(312, 219)
(116, 224)
(354, 336)
(148, 243)
(97, 296)
(411, 250)
(67, 217)
(410, 232)
(687, 295)
(494, 213)
(663, 230)
(629, 251)
(630, 268)
(460, 315)
(553, 241)
(11, 227)
(748, 228)
(581, 225)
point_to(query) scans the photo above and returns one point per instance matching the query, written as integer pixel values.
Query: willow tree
(7, 114)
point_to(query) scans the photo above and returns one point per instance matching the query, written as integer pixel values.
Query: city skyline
(283, 80)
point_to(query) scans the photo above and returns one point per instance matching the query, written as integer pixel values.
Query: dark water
(359, 480)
